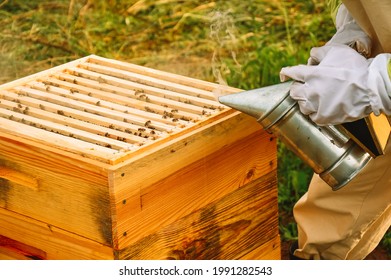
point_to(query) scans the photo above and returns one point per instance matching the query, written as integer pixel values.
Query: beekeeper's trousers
(350, 222)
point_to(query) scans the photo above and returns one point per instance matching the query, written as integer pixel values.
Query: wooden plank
(45, 241)
(132, 94)
(60, 142)
(28, 102)
(171, 139)
(148, 80)
(95, 109)
(187, 99)
(230, 228)
(135, 136)
(270, 250)
(125, 100)
(175, 78)
(9, 254)
(56, 128)
(131, 112)
(193, 186)
(13, 249)
(77, 159)
(18, 177)
(71, 195)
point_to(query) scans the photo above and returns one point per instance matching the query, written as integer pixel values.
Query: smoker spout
(257, 102)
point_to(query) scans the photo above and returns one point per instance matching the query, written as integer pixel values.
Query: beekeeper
(345, 80)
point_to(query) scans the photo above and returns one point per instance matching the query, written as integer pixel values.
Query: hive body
(101, 159)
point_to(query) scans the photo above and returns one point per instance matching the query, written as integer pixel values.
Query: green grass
(247, 42)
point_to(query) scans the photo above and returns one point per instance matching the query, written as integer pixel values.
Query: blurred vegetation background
(244, 43)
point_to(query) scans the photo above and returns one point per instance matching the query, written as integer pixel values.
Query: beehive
(101, 159)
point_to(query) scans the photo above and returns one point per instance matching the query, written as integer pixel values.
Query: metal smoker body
(326, 149)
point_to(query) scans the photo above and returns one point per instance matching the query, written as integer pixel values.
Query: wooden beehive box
(101, 159)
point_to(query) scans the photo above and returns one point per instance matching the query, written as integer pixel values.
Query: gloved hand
(348, 33)
(344, 87)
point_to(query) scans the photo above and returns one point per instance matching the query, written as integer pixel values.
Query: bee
(16, 109)
(149, 109)
(101, 80)
(168, 114)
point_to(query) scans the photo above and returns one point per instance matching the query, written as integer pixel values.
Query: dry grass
(167, 34)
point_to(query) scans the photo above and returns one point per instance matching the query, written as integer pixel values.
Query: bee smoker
(328, 150)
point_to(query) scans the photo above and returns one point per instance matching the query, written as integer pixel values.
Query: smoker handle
(18, 178)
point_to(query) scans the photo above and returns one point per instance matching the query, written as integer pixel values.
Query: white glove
(348, 33)
(344, 87)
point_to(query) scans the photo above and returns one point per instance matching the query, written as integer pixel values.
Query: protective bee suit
(345, 80)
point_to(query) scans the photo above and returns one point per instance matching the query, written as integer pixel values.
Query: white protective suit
(348, 223)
